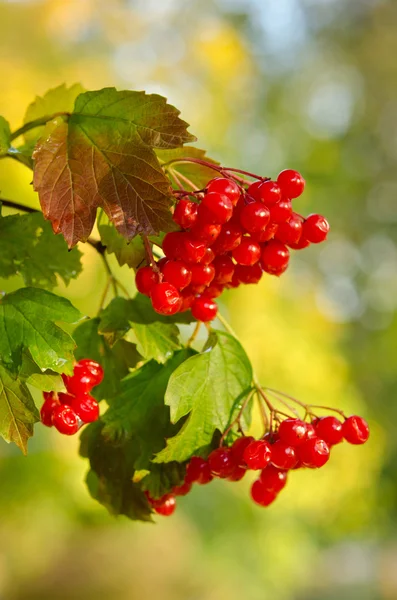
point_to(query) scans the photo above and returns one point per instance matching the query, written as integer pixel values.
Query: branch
(37, 123)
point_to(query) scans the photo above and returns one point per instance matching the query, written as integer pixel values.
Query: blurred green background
(265, 84)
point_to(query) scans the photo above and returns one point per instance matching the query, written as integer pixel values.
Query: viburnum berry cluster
(294, 444)
(69, 411)
(230, 234)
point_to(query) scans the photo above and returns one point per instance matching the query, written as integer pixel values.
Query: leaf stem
(104, 294)
(112, 279)
(236, 421)
(37, 123)
(194, 334)
(150, 258)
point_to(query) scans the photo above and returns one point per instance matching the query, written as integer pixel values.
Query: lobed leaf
(198, 174)
(5, 135)
(127, 253)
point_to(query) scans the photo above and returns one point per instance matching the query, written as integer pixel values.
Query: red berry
(224, 269)
(165, 299)
(145, 279)
(94, 368)
(303, 243)
(65, 420)
(87, 408)
(187, 298)
(246, 275)
(281, 212)
(213, 291)
(310, 431)
(215, 208)
(50, 403)
(252, 191)
(269, 193)
(228, 239)
(183, 489)
(275, 256)
(355, 430)
(198, 471)
(202, 274)
(193, 251)
(221, 462)
(81, 382)
(254, 217)
(185, 213)
(237, 474)
(227, 187)
(177, 273)
(290, 232)
(257, 455)
(292, 432)
(204, 309)
(283, 455)
(238, 448)
(165, 506)
(206, 232)
(315, 229)
(173, 244)
(314, 453)
(66, 398)
(273, 479)
(329, 429)
(265, 235)
(208, 257)
(261, 495)
(247, 253)
(291, 182)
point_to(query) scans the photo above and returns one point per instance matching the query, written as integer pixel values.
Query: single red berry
(290, 231)
(197, 290)
(238, 448)
(330, 430)
(193, 251)
(204, 309)
(82, 381)
(183, 489)
(221, 462)
(215, 208)
(165, 299)
(303, 243)
(281, 212)
(145, 279)
(247, 275)
(315, 229)
(314, 453)
(252, 191)
(187, 298)
(202, 274)
(237, 474)
(235, 282)
(65, 420)
(273, 479)
(254, 217)
(206, 232)
(87, 408)
(227, 187)
(166, 507)
(177, 273)
(265, 235)
(173, 244)
(208, 257)
(185, 213)
(247, 253)
(94, 368)
(260, 495)
(269, 193)
(50, 404)
(224, 269)
(66, 398)
(228, 239)
(283, 455)
(257, 455)
(292, 432)
(213, 291)
(198, 471)
(355, 430)
(310, 431)
(271, 437)
(291, 183)
(275, 256)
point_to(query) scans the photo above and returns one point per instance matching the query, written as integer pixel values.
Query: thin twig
(194, 334)
(104, 294)
(111, 276)
(149, 255)
(236, 421)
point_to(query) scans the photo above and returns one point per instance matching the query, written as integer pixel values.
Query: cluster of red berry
(294, 445)
(231, 236)
(67, 412)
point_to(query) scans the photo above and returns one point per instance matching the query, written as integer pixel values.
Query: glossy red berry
(208, 257)
(145, 279)
(273, 479)
(66, 398)
(254, 217)
(228, 239)
(204, 309)
(50, 403)
(237, 473)
(281, 212)
(290, 232)
(292, 432)
(193, 251)
(215, 208)
(185, 214)
(257, 455)
(87, 408)
(247, 253)
(221, 462)
(355, 430)
(213, 291)
(198, 471)
(65, 420)
(202, 274)
(303, 243)
(227, 187)
(275, 256)
(267, 234)
(330, 430)
(183, 489)
(166, 507)
(239, 447)
(177, 273)
(206, 232)
(291, 183)
(165, 299)
(187, 299)
(283, 455)
(314, 453)
(81, 382)
(269, 193)
(252, 191)
(173, 244)
(260, 495)
(315, 229)
(247, 275)
(224, 269)
(94, 368)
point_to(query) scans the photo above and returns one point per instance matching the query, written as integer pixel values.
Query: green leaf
(209, 388)
(116, 361)
(18, 412)
(59, 99)
(127, 253)
(200, 175)
(102, 156)
(162, 478)
(28, 247)
(157, 340)
(23, 154)
(46, 381)
(27, 323)
(5, 134)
